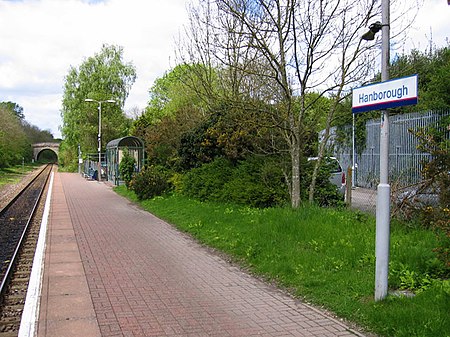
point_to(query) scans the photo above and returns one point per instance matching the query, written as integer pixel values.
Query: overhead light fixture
(373, 29)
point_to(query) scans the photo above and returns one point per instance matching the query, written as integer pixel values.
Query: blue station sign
(389, 94)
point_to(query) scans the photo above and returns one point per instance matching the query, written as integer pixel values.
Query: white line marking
(30, 313)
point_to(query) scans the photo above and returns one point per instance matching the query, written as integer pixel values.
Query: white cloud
(41, 39)
(431, 25)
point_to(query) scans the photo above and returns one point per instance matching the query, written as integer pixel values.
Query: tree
(276, 53)
(36, 135)
(104, 76)
(353, 66)
(15, 108)
(171, 93)
(17, 135)
(173, 110)
(13, 141)
(433, 69)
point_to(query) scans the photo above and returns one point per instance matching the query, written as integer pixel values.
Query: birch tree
(268, 55)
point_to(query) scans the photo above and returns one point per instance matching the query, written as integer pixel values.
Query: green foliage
(343, 124)
(68, 158)
(36, 135)
(314, 121)
(152, 181)
(198, 146)
(176, 181)
(172, 93)
(257, 182)
(17, 135)
(206, 182)
(127, 167)
(14, 174)
(104, 76)
(435, 140)
(230, 131)
(238, 129)
(14, 145)
(163, 137)
(433, 69)
(15, 108)
(174, 109)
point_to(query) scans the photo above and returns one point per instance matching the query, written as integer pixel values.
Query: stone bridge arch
(39, 147)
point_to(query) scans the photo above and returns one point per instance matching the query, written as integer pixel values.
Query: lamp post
(99, 138)
(383, 190)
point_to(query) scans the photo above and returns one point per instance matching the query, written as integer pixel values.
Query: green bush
(176, 182)
(126, 168)
(152, 181)
(206, 182)
(257, 182)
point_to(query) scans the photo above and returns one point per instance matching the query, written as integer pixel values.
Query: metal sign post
(383, 96)
(384, 190)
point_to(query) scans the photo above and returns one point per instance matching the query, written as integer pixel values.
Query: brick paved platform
(112, 269)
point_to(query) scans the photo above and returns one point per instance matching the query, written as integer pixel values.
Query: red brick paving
(135, 275)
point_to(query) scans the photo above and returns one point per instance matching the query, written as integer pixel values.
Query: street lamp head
(373, 29)
(93, 100)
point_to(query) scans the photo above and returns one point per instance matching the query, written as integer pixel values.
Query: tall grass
(325, 256)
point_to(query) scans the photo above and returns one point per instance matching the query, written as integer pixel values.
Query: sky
(41, 39)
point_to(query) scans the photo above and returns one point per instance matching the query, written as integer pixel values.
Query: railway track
(19, 230)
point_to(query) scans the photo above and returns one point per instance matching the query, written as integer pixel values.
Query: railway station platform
(112, 269)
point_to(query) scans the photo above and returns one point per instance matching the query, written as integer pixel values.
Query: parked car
(337, 174)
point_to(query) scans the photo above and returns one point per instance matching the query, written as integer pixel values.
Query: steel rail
(15, 255)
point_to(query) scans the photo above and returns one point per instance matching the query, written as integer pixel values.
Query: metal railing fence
(405, 160)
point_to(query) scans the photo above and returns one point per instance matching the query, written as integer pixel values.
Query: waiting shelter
(114, 153)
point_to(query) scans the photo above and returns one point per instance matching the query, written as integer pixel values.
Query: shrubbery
(152, 181)
(206, 182)
(255, 182)
(126, 168)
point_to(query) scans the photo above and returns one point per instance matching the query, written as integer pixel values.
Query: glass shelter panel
(114, 152)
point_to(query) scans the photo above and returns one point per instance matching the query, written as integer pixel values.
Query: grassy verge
(324, 256)
(14, 174)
